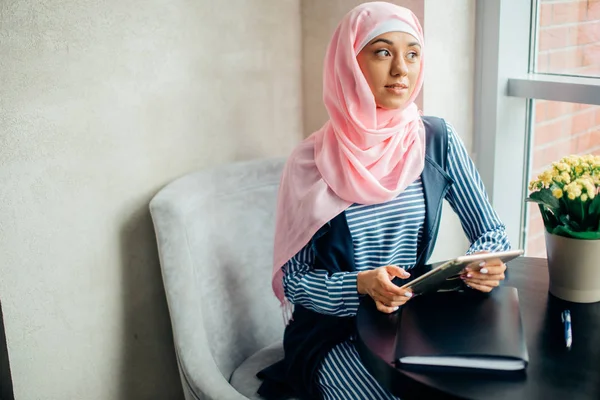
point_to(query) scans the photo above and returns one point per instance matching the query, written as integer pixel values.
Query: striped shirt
(386, 234)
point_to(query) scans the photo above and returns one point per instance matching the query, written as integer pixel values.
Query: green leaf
(574, 216)
(565, 231)
(595, 205)
(550, 220)
(589, 235)
(567, 221)
(576, 213)
(545, 197)
(594, 211)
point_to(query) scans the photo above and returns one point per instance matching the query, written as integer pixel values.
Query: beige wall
(448, 92)
(101, 104)
(450, 66)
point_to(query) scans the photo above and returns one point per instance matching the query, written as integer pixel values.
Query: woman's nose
(399, 67)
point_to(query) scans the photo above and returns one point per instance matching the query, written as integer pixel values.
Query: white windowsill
(573, 89)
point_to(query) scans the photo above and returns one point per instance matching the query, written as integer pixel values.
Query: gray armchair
(215, 239)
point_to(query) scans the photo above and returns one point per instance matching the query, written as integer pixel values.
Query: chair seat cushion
(244, 378)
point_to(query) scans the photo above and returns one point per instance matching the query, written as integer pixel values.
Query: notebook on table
(463, 330)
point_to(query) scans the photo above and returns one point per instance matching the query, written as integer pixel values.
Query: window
(538, 92)
(559, 129)
(568, 37)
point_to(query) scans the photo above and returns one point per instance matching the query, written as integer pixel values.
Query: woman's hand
(378, 284)
(484, 276)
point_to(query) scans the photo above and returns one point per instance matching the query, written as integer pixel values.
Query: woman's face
(391, 64)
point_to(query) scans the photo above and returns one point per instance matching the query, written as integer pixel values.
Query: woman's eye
(383, 53)
(412, 55)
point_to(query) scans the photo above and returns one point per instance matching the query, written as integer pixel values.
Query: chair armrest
(197, 366)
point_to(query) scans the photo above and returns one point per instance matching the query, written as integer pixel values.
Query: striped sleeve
(316, 289)
(469, 200)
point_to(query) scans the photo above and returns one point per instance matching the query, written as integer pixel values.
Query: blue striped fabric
(385, 234)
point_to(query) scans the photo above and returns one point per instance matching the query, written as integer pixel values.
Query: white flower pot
(574, 268)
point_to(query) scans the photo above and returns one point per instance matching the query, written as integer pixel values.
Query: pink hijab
(363, 154)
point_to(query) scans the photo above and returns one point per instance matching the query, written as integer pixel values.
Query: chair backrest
(215, 236)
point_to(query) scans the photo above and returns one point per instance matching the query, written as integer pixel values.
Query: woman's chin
(391, 101)
(389, 105)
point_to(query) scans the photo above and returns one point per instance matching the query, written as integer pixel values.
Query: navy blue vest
(311, 335)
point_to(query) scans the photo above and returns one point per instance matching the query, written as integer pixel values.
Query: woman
(359, 204)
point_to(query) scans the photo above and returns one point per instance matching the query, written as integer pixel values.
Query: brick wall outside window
(568, 43)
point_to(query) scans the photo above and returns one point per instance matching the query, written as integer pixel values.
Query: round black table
(554, 372)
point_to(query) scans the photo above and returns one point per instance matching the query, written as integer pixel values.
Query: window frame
(505, 89)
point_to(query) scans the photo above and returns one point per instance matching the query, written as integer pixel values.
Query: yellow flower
(561, 166)
(546, 178)
(573, 190)
(535, 185)
(588, 158)
(572, 160)
(584, 197)
(589, 185)
(558, 193)
(541, 180)
(571, 176)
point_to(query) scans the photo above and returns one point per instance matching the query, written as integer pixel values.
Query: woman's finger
(383, 299)
(385, 309)
(488, 277)
(387, 297)
(399, 301)
(485, 271)
(487, 268)
(481, 288)
(390, 287)
(393, 301)
(482, 282)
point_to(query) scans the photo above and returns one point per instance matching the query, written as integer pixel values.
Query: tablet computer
(438, 277)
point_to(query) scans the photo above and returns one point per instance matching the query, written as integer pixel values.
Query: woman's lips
(397, 89)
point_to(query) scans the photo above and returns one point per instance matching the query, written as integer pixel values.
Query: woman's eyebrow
(411, 44)
(384, 41)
